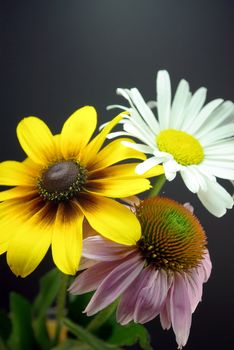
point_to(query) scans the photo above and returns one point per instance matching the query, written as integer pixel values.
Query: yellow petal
(115, 152)
(77, 131)
(89, 152)
(117, 188)
(155, 171)
(67, 238)
(13, 215)
(36, 140)
(111, 219)
(14, 173)
(17, 192)
(124, 171)
(29, 245)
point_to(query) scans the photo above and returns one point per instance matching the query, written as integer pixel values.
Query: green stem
(160, 181)
(61, 303)
(102, 317)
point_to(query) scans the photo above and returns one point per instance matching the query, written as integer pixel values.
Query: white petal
(220, 133)
(216, 199)
(138, 147)
(194, 107)
(204, 114)
(190, 179)
(224, 170)
(147, 165)
(218, 116)
(117, 106)
(170, 168)
(163, 98)
(178, 105)
(112, 135)
(144, 110)
(139, 131)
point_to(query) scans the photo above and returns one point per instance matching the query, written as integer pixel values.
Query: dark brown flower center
(172, 237)
(62, 181)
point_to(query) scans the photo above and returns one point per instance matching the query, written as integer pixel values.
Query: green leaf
(49, 288)
(5, 325)
(76, 306)
(89, 338)
(3, 346)
(129, 335)
(72, 344)
(22, 337)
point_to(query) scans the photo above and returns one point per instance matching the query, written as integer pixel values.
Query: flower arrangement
(121, 259)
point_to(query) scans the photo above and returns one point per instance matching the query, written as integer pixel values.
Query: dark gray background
(59, 55)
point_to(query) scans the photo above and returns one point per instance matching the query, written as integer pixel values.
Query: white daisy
(187, 136)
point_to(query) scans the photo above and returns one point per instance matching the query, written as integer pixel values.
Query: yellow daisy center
(62, 181)
(185, 148)
(172, 237)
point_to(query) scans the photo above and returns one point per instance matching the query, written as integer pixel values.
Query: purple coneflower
(162, 274)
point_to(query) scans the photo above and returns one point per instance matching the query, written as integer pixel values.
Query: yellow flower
(64, 179)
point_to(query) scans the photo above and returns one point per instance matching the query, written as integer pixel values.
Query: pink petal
(128, 301)
(101, 249)
(86, 263)
(152, 297)
(194, 284)
(132, 200)
(206, 266)
(165, 318)
(115, 283)
(188, 206)
(91, 278)
(180, 310)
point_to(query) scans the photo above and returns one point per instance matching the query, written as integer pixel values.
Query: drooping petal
(101, 249)
(194, 284)
(67, 237)
(14, 173)
(126, 307)
(115, 284)
(220, 167)
(36, 140)
(115, 152)
(152, 297)
(111, 219)
(180, 310)
(216, 199)
(29, 245)
(90, 279)
(190, 179)
(165, 317)
(170, 169)
(77, 131)
(204, 270)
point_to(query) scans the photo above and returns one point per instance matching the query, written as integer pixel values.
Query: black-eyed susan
(65, 178)
(185, 136)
